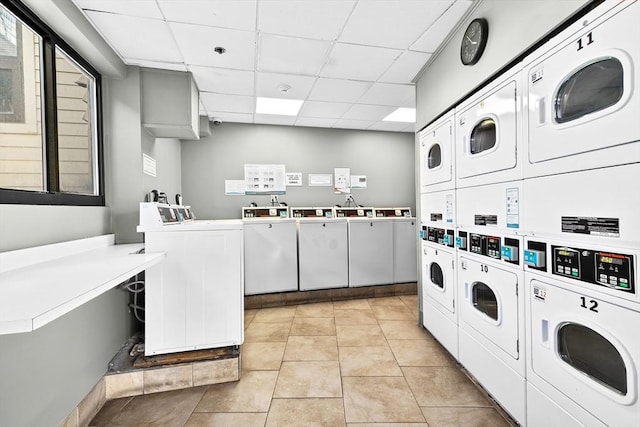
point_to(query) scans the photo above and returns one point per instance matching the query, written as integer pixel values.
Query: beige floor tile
(110, 409)
(124, 384)
(353, 304)
(274, 315)
(204, 419)
(323, 309)
(309, 379)
(379, 399)
(411, 301)
(360, 335)
(443, 386)
(248, 317)
(463, 417)
(355, 317)
(165, 379)
(311, 348)
(387, 425)
(306, 412)
(368, 362)
(267, 332)
(251, 394)
(262, 356)
(403, 330)
(386, 302)
(313, 326)
(392, 312)
(171, 408)
(215, 371)
(423, 352)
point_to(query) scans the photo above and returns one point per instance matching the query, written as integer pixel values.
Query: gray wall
(386, 158)
(514, 25)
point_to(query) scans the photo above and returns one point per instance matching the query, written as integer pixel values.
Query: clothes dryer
(493, 206)
(488, 133)
(583, 100)
(437, 155)
(583, 357)
(438, 208)
(439, 286)
(491, 315)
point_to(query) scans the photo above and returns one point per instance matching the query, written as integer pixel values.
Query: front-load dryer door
(489, 302)
(588, 349)
(438, 276)
(583, 95)
(436, 156)
(486, 134)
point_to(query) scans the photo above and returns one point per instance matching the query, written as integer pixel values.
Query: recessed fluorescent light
(284, 107)
(407, 115)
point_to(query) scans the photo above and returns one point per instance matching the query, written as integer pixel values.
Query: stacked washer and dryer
(547, 231)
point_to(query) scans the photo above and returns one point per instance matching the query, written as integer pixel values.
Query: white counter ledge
(40, 284)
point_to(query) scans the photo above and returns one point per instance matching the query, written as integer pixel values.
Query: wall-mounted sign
(319, 180)
(342, 180)
(234, 187)
(293, 179)
(358, 181)
(264, 179)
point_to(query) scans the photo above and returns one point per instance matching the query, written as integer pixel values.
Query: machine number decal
(589, 41)
(484, 268)
(591, 305)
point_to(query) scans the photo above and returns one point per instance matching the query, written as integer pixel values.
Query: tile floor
(349, 363)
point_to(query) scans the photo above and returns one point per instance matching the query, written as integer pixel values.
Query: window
(437, 278)
(484, 300)
(594, 87)
(435, 156)
(483, 136)
(591, 353)
(50, 145)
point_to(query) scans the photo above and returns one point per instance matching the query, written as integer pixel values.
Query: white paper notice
(264, 179)
(342, 180)
(513, 208)
(358, 181)
(319, 180)
(234, 187)
(294, 179)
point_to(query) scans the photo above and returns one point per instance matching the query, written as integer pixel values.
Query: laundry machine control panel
(495, 247)
(613, 270)
(440, 236)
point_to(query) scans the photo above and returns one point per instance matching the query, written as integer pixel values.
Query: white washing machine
(583, 357)
(437, 155)
(439, 287)
(494, 206)
(583, 99)
(491, 314)
(370, 251)
(405, 255)
(599, 205)
(488, 133)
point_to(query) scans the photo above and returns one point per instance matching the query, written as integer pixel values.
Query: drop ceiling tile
(228, 103)
(139, 8)
(410, 128)
(271, 119)
(222, 80)
(316, 109)
(196, 42)
(438, 31)
(315, 122)
(239, 15)
(231, 117)
(153, 39)
(353, 124)
(322, 20)
(355, 62)
(389, 126)
(267, 85)
(367, 112)
(390, 94)
(292, 55)
(405, 68)
(335, 90)
(175, 66)
(391, 23)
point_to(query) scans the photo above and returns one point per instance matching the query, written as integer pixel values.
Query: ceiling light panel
(231, 117)
(407, 115)
(292, 55)
(315, 122)
(436, 33)
(405, 68)
(389, 94)
(353, 124)
(228, 103)
(278, 106)
(240, 15)
(196, 42)
(269, 84)
(391, 23)
(139, 8)
(335, 90)
(222, 80)
(367, 112)
(322, 20)
(153, 40)
(355, 62)
(317, 109)
(269, 119)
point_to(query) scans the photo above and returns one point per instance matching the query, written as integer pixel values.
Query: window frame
(51, 166)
